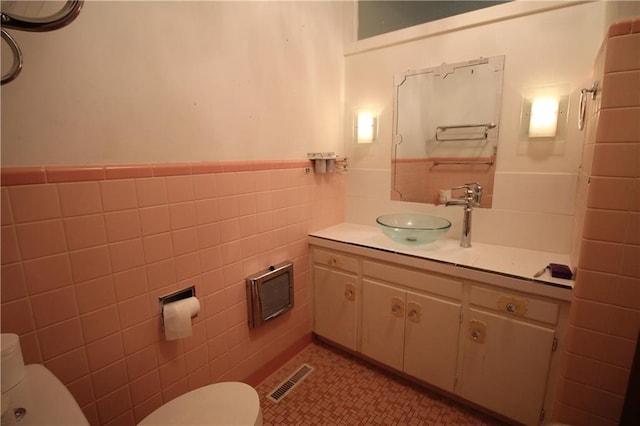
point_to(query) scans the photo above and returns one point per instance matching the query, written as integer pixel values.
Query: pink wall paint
(86, 251)
(605, 311)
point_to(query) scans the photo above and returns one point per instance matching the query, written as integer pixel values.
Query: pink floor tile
(343, 390)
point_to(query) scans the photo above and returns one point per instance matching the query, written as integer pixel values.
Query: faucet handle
(465, 186)
(476, 185)
(469, 193)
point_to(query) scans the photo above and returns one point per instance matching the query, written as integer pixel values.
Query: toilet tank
(41, 399)
(31, 394)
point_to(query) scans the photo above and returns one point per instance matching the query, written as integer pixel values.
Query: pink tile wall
(605, 311)
(86, 251)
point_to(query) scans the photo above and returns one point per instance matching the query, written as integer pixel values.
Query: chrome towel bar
(481, 136)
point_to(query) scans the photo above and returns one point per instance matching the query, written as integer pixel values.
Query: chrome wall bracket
(582, 109)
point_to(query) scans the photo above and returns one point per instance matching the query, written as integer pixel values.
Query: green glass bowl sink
(413, 228)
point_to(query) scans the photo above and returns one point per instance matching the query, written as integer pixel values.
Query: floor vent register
(281, 391)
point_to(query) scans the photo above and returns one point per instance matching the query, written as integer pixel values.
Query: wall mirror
(445, 129)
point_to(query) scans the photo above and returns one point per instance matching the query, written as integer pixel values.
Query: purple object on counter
(560, 271)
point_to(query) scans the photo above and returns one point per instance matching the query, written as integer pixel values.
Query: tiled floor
(343, 390)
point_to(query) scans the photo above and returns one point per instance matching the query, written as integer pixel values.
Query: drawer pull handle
(513, 305)
(476, 334)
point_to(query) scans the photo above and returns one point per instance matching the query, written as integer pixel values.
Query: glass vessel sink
(413, 228)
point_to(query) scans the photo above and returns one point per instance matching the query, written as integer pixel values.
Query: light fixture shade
(366, 127)
(543, 121)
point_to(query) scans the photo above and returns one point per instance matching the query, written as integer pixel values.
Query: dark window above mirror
(379, 17)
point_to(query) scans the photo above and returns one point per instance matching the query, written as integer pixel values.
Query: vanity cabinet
(489, 343)
(411, 331)
(335, 294)
(510, 340)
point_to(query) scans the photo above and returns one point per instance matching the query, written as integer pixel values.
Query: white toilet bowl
(227, 403)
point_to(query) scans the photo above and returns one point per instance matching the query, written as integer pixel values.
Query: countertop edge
(556, 289)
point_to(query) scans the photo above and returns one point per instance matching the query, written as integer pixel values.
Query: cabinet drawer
(515, 305)
(413, 279)
(335, 260)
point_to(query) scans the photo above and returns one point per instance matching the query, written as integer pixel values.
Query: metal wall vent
(281, 391)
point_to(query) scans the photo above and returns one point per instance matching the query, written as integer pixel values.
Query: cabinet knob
(511, 307)
(477, 331)
(397, 307)
(476, 334)
(350, 292)
(415, 309)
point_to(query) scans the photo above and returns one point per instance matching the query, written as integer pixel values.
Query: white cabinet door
(431, 340)
(506, 365)
(335, 308)
(383, 309)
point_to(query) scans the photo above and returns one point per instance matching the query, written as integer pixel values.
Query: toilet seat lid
(227, 403)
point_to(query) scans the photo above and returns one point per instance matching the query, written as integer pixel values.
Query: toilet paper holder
(185, 293)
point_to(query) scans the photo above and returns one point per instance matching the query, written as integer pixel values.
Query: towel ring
(62, 18)
(16, 66)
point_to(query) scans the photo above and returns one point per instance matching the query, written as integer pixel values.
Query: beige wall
(535, 182)
(173, 81)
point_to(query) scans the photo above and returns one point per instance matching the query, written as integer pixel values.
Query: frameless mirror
(445, 129)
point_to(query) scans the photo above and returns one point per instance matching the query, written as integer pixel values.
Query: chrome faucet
(477, 192)
(470, 198)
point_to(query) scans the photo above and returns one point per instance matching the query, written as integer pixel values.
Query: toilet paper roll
(177, 317)
(321, 165)
(331, 165)
(444, 195)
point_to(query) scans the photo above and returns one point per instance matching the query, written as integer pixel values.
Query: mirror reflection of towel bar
(442, 129)
(458, 163)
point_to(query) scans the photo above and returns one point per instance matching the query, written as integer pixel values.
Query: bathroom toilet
(31, 394)
(227, 403)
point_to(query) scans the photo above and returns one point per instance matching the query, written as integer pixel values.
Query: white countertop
(506, 261)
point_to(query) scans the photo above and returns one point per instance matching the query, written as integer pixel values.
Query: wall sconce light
(366, 127)
(543, 119)
(544, 113)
